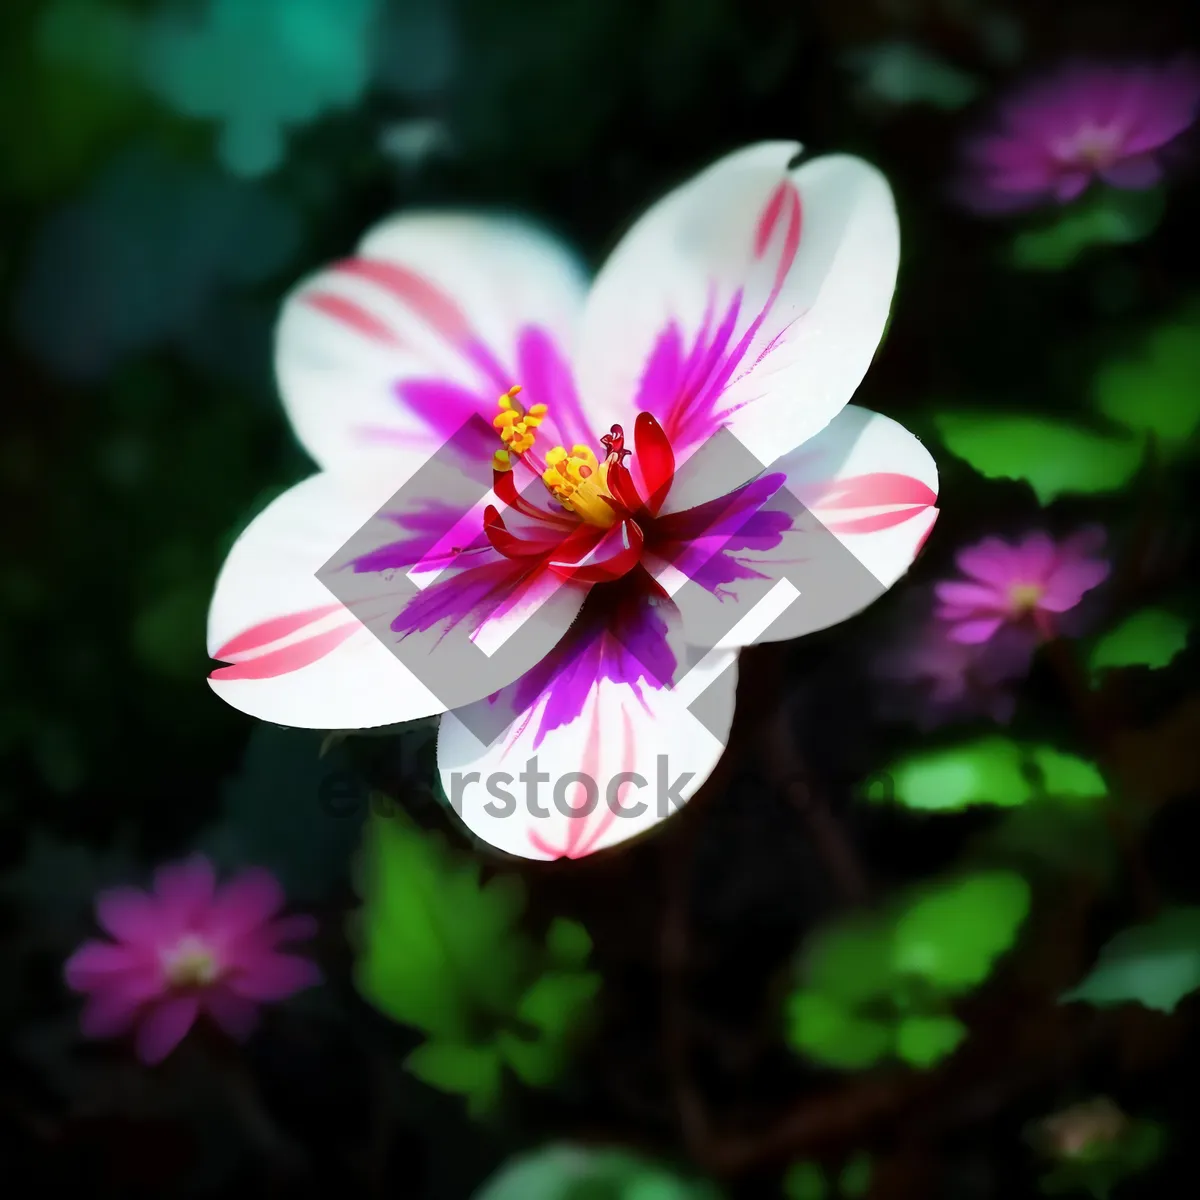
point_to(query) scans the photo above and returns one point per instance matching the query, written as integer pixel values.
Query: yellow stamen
(516, 423)
(580, 483)
(191, 964)
(1025, 596)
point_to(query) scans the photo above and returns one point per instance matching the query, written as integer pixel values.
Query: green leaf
(1149, 638)
(1155, 392)
(462, 1070)
(805, 1181)
(568, 943)
(850, 962)
(568, 1172)
(855, 1178)
(987, 771)
(900, 73)
(1111, 217)
(1155, 964)
(924, 1041)
(829, 1033)
(554, 1006)
(952, 936)
(1054, 457)
(438, 946)
(1066, 776)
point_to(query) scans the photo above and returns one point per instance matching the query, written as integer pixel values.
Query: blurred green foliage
(901, 73)
(880, 985)
(260, 67)
(1055, 458)
(1107, 217)
(564, 1172)
(1151, 638)
(442, 950)
(990, 770)
(1097, 1167)
(1156, 964)
(1155, 392)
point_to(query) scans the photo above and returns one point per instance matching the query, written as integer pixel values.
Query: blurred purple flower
(1025, 583)
(933, 680)
(188, 948)
(1051, 138)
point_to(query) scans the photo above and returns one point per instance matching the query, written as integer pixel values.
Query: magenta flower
(188, 948)
(931, 680)
(1028, 582)
(1056, 135)
(646, 455)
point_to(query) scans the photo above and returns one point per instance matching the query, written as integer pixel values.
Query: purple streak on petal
(621, 634)
(546, 378)
(445, 407)
(165, 1026)
(703, 542)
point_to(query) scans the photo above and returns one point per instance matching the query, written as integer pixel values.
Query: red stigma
(614, 443)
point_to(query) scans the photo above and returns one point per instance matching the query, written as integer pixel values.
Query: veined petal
(856, 504)
(752, 297)
(600, 742)
(297, 655)
(344, 607)
(428, 322)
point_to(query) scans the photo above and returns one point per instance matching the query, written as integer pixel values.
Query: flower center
(1025, 596)
(577, 479)
(1091, 146)
(191, 963)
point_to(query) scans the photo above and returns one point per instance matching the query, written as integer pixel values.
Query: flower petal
(165, 1026)
(603, 740)
(274, 977)
(130, 915)
(185, 890)
(247, 902)
(236, 1015)
(343, 606)
(98, 964)
(856, 505)
(428, 322)
(752, 297)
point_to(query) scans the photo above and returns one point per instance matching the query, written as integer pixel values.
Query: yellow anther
(580, 483)
(516, 423)
(501, 461)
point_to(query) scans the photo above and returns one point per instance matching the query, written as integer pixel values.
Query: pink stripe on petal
(272, 630)
(415, 291)
(353, 315)
(165, 1026)
(875, 490)
(290, 658)
(876, 522)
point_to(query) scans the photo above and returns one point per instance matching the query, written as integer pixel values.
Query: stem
(790, 776)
